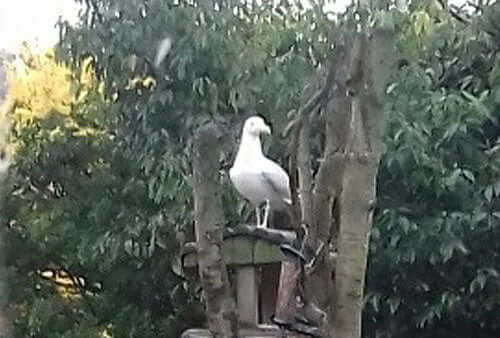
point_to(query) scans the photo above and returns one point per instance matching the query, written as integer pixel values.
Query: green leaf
(477, 283)
(469, 175)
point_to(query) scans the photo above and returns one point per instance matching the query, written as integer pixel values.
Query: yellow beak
(266, 130)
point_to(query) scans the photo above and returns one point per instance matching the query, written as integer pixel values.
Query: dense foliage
(99, 189)
(113, 205)
(80, 208)
(433, 268)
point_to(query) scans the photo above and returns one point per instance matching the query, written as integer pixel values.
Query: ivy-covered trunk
(209, 225)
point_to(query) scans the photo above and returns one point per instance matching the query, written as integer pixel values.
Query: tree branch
(305, 174)
(295, 209)
(453, 13)
(327, 185)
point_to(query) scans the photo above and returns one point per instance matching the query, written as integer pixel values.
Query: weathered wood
(287, 291)
(264, 331)
(245, 249)
(247, 295)
(247, 245)
(265, 253)
(239, 250)
(249, 252)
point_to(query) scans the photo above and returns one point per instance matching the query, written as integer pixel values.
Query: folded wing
(277, 179)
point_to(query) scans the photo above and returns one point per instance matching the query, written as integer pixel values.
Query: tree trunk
(344, 187)
(209, 226)
(371, 60)
(356, 205)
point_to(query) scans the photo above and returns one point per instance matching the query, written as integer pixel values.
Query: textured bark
(305, 174)
(209, 226)
(369, 68)
(337, 204)
(319, 288)
(356, 203)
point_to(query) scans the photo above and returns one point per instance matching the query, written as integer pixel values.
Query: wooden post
(247, 295)
(287, 291)
(249, 252)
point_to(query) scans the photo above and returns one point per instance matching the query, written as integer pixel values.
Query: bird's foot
(257, 218)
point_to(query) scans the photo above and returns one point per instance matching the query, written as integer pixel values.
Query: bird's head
(255, 126)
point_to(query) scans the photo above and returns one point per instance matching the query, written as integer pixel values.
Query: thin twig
(305, 173)
(295, 209)
(310, 266)
(453, 13)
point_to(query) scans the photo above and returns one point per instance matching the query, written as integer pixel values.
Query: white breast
(252, 185)
(249, 184)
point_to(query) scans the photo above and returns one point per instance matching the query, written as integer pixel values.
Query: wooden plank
(267, 331)
(239, 250)
(243, 250)
(266, 253)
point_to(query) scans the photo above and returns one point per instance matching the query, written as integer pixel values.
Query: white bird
(256, 177)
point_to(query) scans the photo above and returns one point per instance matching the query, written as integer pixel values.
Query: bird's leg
(257, 213)
(266, 214)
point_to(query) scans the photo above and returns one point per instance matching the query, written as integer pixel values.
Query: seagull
(255, 177)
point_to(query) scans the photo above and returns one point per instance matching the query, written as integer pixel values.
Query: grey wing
(278, 180)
